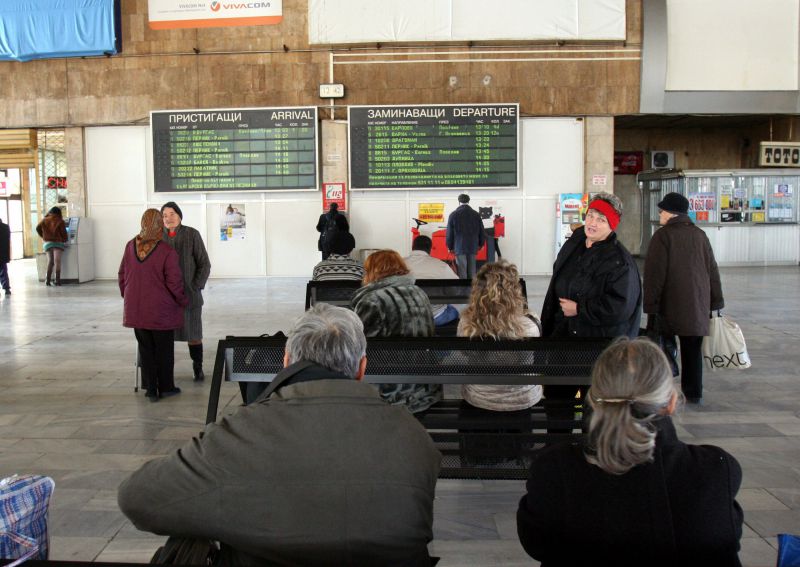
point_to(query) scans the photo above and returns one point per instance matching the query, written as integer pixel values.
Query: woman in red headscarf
(595, 290)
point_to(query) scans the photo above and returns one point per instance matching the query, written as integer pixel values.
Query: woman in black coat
(681, 288)
(632, 494)
(595, 290)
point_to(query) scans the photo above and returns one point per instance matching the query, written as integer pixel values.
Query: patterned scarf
(151, 234)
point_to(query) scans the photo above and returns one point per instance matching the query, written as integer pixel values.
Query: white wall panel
(552, 156)
(337, 22)
(540, 236)
(291, 237)
(114, 226)
(116, 172)
(382, 224)
(745, 45)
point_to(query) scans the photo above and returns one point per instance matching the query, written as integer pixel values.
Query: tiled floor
(68, 409)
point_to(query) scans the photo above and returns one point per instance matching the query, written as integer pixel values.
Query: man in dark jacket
(465, 236)
(681, 288)
(317, 471)
(328, 224)
(5, 256)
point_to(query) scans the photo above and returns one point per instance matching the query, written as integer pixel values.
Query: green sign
(434, 146)
(260, 149)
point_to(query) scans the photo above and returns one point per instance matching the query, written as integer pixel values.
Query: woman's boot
(58, 278)
(49, 276)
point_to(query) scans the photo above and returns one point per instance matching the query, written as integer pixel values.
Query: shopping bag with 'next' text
(724, 347)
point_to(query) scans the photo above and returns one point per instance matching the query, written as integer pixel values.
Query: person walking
(151, 284)
(196, 267)
(681, 288)
(53, 231)
(465, 236)
(5, 256)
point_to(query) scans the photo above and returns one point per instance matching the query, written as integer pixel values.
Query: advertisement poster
(430, 212)
(568, 213)
(232, 222)
(702, 206)
(172, 14)
(334, 193)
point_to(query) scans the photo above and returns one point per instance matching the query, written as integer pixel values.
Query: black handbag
(667, 343)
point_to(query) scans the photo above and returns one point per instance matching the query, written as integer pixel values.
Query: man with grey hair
(317, 471)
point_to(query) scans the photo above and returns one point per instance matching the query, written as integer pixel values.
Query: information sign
(261, 149)
(434, 146)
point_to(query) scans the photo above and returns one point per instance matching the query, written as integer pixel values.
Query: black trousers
(6, 285)
(692, 366)
(157, 356)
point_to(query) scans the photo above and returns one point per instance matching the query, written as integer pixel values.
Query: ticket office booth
(750, 216)
(77, 262)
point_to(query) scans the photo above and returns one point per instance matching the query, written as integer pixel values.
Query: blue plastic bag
(788, 550)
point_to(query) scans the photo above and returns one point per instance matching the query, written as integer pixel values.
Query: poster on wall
(172, 14)
(703, 206)
(334, 193)
(232, 222)
(430, 212)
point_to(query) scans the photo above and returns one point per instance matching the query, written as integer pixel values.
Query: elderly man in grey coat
(317, 471)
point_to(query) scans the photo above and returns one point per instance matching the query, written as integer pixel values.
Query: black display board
(434, 146)
(261, 149)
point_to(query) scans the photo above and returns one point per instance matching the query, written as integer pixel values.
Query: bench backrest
(433, 360)
(340, 292)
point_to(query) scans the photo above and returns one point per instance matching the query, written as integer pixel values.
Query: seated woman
(497, 310)
(390, 305)
(633, 494)
(339, 265)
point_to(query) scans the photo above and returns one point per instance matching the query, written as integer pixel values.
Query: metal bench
(474, 443)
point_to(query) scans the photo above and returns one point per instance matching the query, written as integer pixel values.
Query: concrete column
(76, 173)
(599, 156)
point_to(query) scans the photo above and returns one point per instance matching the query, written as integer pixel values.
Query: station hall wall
(281, 239)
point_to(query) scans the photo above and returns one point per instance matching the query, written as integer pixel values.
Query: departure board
(260, 149)
(434, 146)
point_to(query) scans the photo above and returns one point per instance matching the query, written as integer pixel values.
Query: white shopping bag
(724, 347)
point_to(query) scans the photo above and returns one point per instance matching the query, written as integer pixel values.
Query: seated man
(424, 267)
(318, 471)
(339, 265)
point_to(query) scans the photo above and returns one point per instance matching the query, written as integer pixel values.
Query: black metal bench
(474, 443)
(340, 292)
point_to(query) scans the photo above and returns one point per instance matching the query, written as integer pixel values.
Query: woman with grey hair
(632, 493)
(595, 290)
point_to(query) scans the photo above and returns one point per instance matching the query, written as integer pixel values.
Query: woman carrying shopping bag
(682, 287)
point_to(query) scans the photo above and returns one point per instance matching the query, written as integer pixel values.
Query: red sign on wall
(628, 163)
(334, 193)
(54, 182)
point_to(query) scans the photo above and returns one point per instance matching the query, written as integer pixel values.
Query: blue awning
(42, 29)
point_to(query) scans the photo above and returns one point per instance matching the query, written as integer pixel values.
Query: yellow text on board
(431, 212)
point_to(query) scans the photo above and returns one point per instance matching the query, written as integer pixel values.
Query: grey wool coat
(681, 279)
(195, 265)
(320, 473)
(395, 307)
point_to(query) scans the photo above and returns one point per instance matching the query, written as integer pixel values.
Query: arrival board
(434, 146)
(261, 149)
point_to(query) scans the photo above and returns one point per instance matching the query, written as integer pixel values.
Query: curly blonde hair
(495, 303)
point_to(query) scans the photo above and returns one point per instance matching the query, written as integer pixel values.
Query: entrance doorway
(11, 209)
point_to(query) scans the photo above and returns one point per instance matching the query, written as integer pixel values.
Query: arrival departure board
(433, 146)
(262, 149)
